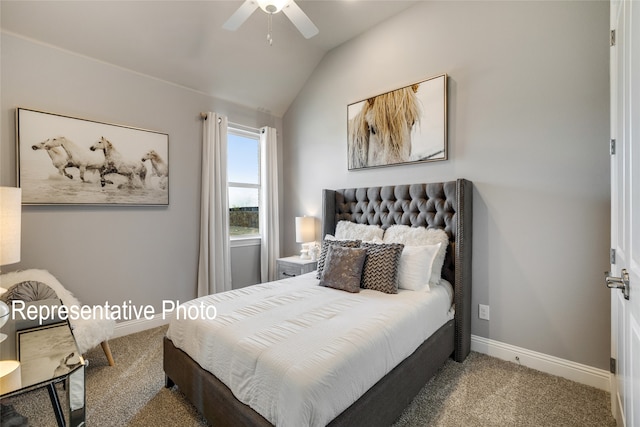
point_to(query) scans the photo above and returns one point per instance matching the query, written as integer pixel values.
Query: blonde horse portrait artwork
(401, 126)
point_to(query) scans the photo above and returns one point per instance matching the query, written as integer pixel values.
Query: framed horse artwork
(72, 161)
(401, 126)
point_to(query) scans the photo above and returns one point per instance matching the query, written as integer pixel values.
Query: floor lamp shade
(10, 219)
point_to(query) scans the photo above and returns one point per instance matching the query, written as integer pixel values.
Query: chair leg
(107, 352)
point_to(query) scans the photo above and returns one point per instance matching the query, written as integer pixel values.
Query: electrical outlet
(483, 311)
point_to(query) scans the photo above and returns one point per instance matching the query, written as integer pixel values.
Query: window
(243, 171)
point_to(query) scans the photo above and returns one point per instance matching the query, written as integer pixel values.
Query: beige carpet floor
(482, 391)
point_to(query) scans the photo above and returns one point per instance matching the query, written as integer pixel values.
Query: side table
(48, 355)
(294, 266)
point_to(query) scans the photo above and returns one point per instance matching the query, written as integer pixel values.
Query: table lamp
(10, 216)
(305, 233)
(4, 314)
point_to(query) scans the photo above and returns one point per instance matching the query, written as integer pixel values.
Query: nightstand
(294, 266)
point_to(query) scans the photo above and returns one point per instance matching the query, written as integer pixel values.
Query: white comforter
(300, 354)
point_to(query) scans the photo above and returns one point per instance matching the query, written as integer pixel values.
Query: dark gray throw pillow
(323, 253)
(380, 271)
(343, 268)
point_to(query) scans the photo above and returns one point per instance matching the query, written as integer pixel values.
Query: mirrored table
(39, 354)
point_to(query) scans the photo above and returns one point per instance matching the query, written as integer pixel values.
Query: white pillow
(414, 271)
(420, 236)
(346, 230)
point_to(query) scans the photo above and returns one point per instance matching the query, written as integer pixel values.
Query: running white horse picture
(401, 126)
(75, 156)
(159, 167)
(115, 163)
(59, 158)
(89, 162)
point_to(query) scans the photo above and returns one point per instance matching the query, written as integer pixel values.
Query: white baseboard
(138, 325)
(594, 377)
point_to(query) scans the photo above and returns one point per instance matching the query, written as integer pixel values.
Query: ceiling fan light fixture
(272, 6)
(289, 7)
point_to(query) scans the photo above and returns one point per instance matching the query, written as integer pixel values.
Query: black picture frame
(402, 126)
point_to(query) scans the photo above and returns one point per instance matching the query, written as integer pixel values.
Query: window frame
(249, 133)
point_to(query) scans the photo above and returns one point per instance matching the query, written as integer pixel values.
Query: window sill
(237, 242)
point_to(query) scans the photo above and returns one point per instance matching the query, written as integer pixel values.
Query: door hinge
(612, 256)
(612, 147)
(612, 38)
(612, 365)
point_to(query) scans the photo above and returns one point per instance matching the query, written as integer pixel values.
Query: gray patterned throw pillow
(326, 244)
(343, 268)
(380, 271)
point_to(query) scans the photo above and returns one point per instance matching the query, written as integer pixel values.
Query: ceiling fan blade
(300, 20)
(239, 16)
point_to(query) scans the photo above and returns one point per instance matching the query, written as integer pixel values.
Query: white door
(625, 200)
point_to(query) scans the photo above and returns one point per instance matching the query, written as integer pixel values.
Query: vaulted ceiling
(183, 42)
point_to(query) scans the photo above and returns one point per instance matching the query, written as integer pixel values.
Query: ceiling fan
(289, 7)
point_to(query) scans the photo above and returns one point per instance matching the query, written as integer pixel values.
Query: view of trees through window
(243, 169)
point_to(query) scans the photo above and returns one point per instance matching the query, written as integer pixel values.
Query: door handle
(621, 282)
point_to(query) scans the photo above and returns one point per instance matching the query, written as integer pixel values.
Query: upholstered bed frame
(445, 205)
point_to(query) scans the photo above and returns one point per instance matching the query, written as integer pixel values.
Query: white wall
(110, 253)
(528, 124)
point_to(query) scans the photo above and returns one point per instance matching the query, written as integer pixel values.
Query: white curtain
(214, 264)
(269, 213)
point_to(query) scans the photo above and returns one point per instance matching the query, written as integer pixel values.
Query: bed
(446, 205)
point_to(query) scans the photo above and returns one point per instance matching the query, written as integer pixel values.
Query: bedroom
(528, 113)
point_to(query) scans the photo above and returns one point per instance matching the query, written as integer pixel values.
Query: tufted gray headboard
(446, 205)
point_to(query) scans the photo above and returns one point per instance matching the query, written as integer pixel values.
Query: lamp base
(10, 378)
(304, 252)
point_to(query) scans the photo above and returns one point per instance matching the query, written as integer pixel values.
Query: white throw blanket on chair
(88, 332)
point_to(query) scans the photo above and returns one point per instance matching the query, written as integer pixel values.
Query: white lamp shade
(10, 217)
(4, 313)
(305, 229)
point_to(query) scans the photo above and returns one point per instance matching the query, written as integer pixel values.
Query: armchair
(35, 285)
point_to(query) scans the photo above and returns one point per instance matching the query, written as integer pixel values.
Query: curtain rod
(203, 116)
